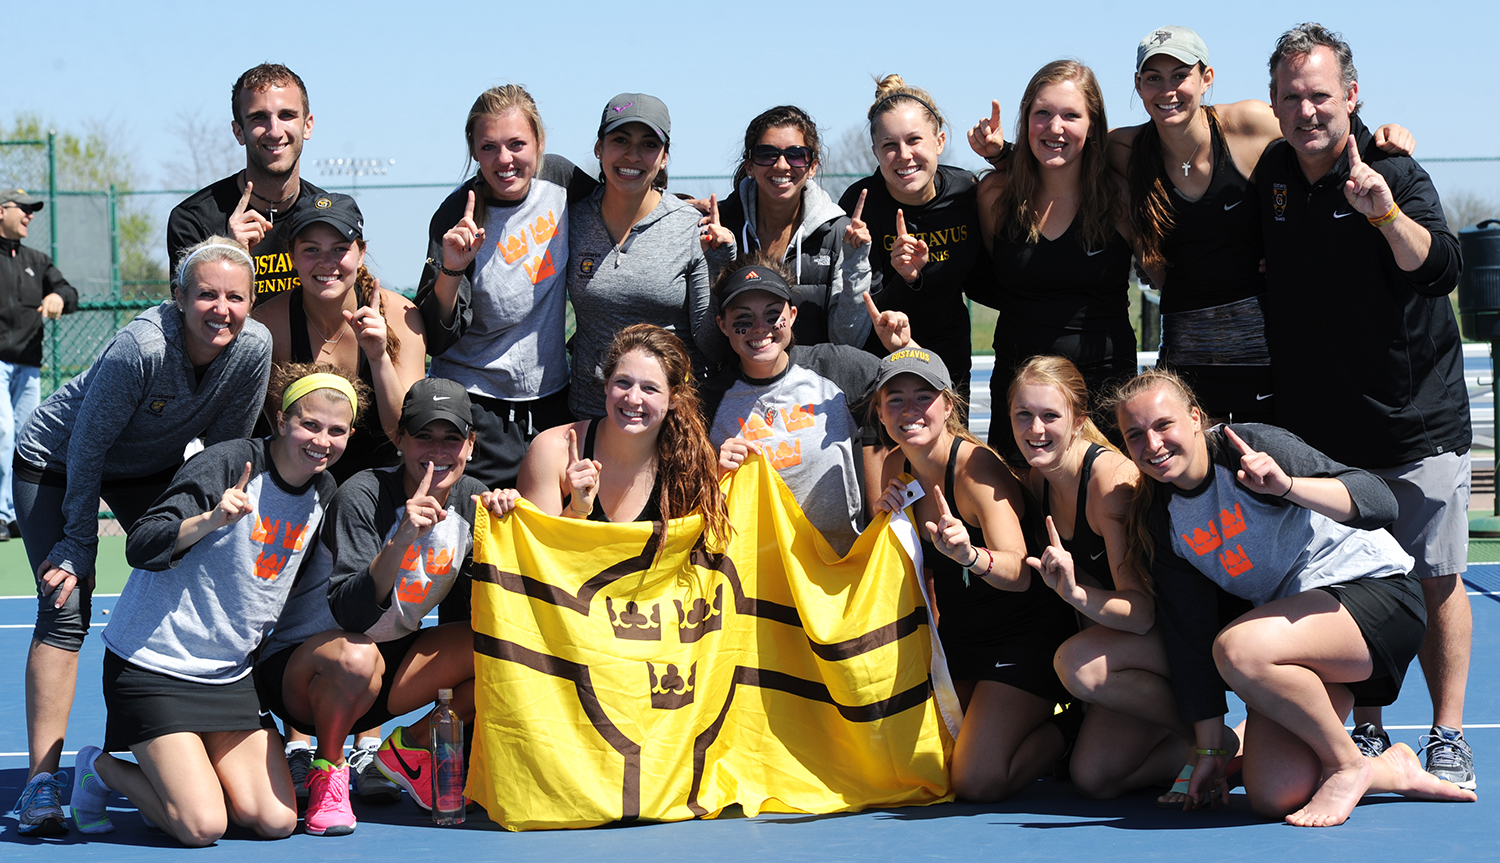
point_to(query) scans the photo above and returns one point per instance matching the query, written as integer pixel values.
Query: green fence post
(114, 256)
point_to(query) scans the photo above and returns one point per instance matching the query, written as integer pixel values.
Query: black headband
(874, 111)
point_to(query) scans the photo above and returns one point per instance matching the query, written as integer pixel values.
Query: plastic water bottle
(447, 762)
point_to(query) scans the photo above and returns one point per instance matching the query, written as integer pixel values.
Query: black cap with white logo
(431, 399)
(330, 208)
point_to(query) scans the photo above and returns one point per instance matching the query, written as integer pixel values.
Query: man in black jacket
(31, 289)
(1365, 352)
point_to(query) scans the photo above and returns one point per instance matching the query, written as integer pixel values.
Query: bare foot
(1399, 770)
(1336, 797)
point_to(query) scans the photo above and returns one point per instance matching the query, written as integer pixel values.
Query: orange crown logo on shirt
(514, 247)
(409, 560)
(293, 537)
(754, 428)
(787, 454)
(540, 268)
(1202, 542)
(1235, 562)
(268, 565)
(264, 530)
(413, 591)
(1233, 522)
(799, 417)
(543, 229)
(439, 562)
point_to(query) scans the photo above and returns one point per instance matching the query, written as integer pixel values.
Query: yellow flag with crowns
(625, 673)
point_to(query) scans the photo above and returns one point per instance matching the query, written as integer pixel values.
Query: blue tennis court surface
(1047, 822)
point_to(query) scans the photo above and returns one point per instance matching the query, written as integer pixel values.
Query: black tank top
(1060, 284)
(1213, 250)
(368, 446)
(650, 512)
(978, 611)
(1086, 546)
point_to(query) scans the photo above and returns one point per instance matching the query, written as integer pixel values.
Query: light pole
(354, 168)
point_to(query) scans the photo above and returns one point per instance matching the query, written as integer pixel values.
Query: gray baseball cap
(1174, 41)
(22, 199)
(637, 108)
(916, 361)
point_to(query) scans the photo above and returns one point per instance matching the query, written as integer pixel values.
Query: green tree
(91, 163)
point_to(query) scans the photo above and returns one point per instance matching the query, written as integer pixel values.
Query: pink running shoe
(328, 809)
(407, 766)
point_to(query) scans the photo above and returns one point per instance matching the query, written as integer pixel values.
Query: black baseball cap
(21, 198)
(330, 208)
(753, 278)
(916, 361)
(432, 399)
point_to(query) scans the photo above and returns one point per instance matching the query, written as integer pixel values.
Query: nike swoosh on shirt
(1100, 252)
(1099, 555)
(1004, 664)
(1261, 398)
(1228, 207)
(1342, 215)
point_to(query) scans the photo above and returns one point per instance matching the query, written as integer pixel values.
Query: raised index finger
(572, 447)
(1243, 447)
(469, 207)
(1052, 536)
(244, 204)
(994, 115)
(859, 206)
(900, 223)
(1354, 159)
(245, 479)
(713, 209)
(425, 483)
(871, 308)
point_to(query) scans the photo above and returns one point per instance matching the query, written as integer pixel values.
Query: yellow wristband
(1390, 216)
(1218, 753)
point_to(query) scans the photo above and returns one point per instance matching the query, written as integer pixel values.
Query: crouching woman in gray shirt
(191, 367)
(1328, 617)
(215, 560)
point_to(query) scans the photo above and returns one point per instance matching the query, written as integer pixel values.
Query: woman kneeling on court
(215, 559)
(350, 650)
(1252, 510)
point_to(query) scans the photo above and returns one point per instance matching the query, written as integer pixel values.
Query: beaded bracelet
(1390, 216)
(1218, 753)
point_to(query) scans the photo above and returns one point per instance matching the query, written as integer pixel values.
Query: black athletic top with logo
(1213, 249)
(369, 446)
(1062, 285)
(206, 213)
(1087, 547)
(957, 262)
(1366, 358)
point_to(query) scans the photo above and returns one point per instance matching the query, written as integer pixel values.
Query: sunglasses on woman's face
(765, 155)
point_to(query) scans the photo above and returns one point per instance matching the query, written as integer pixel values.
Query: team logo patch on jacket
(1278, 200)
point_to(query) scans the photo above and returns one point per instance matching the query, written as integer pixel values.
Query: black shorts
(1243, 393)
(1392, 617)
(1022, 660)
(270, 671)
(144, 705)
(504, 431)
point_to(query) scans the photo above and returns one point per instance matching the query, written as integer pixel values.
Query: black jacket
(26, 276)
(1356, 343)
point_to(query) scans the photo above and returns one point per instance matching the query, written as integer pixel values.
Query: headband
(182, 270)
(875, 111)
(320, 381)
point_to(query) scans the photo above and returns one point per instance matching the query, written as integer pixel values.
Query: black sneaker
(1371, 740)
(1449, 756)
(369, 783)
(4, 531)
(299, 761)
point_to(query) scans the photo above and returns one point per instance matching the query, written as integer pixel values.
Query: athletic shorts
(1022, 660)
(1433, 524)
(270, 671)
(144, 705)
(505, 429)
(39, 511)
(1393, 619)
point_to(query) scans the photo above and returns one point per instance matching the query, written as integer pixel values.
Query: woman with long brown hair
(647, 459)
(1053, 222)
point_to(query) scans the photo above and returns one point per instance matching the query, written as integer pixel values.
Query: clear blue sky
(396, 80)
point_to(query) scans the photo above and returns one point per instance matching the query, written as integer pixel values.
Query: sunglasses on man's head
(765, 155)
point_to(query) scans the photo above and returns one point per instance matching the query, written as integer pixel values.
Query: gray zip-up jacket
(134, 411)
(659, 275)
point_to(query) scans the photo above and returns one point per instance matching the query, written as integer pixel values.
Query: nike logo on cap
(441, 398)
